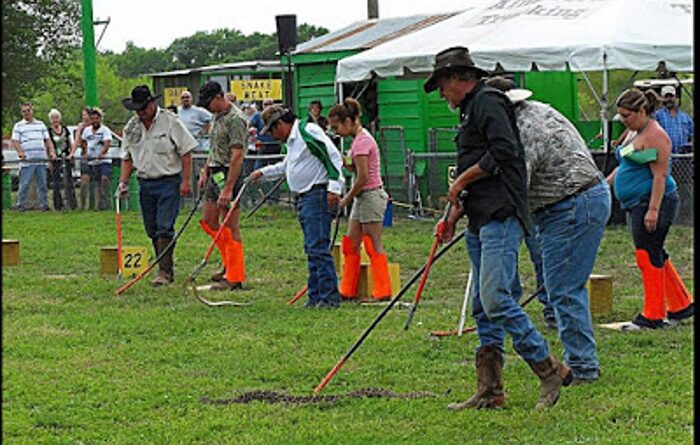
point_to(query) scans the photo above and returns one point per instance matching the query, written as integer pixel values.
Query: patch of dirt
(277, 397)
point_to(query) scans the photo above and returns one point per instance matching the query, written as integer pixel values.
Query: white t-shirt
(94, 140)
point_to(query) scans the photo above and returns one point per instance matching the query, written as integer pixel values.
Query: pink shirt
(364, 144)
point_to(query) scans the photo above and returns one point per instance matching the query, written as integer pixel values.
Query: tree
(35, 33)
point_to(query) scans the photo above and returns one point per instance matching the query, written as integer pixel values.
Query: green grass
(81, 365)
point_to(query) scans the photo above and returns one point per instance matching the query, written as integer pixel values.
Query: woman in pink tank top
(368, 200)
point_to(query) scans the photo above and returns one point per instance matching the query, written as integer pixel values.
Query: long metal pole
(89, 54)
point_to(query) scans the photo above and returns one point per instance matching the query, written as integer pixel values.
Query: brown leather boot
(553, 375)
(489, 378)
(166, 275)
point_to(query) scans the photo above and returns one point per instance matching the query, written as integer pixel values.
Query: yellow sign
(451, 174)
(257, 89)
(134, 261)
(171, 96)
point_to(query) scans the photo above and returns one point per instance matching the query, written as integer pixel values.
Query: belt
(160, 177)
(315, 187)
(581, 189)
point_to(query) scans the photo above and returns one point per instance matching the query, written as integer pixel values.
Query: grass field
(81, 366)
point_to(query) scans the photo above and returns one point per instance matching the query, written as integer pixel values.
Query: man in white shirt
(197, 120)
(313, 170)
(96, 140)
(30, 138)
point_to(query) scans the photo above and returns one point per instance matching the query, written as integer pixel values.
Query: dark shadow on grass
(277, 397)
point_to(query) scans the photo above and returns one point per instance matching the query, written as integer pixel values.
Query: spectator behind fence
(96, 140)
(197, 120)
(61, 168)
(648, 193)
(570, 205)
(84, 169)
(314, 116)
(491, 170)
(30, 138)
(159, 146)
(369, 201)
(677, 124)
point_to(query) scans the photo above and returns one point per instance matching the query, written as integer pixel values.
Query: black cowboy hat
(140, 98)
(451, 59)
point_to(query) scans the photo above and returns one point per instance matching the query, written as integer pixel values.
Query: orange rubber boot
(653, 278)
(380, 270)
(235, 261)
(351, 270)
(219, 242)
(678, 298)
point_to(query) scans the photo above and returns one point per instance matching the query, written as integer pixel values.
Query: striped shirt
(680, 128)
(31, 137)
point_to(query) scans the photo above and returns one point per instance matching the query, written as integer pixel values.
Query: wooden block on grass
(134, 260)
(600, 294)
(10, 252)
(338, 258)
(364, 288)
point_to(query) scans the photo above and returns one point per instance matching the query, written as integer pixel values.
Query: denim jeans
(160, 204)
(26, 174)
(570, 233)
(494, 257)
(653, 242)
(315, 218)
(535, 251)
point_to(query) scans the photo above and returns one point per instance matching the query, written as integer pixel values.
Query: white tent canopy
(588, 35)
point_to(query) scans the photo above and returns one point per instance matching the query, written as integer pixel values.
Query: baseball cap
(208, 92)
(668, 89)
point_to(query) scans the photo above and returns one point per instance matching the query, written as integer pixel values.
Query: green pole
(89, 57)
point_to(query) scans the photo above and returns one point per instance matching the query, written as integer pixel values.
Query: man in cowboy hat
(313, 169)
(569, 201)
(491, 170)
(159, 146)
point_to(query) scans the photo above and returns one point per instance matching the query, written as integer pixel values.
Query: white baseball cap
(668, 89)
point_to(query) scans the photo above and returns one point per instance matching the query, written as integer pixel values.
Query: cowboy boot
(553, 375)
(166, 274)
(351, 270)
(220, 275)
(489, 381)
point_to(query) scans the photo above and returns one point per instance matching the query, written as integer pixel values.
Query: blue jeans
(494, 258)
(570, 233)
(160, 204)
(535, 251)
(26, 174)
(653, 242)
(315, 218)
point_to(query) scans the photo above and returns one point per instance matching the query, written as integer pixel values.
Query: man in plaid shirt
(678, 125)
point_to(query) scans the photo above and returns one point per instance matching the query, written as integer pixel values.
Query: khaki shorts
(369, 206)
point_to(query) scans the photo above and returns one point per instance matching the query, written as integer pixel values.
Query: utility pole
(89, 56)
(372, 9)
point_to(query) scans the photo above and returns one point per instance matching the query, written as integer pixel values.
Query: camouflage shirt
(229, 128)
(558, 160)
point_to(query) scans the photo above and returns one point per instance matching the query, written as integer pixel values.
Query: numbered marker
(134, 261)
(451, 174)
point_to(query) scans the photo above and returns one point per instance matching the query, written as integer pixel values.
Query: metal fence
(70, 187)
(440, 162)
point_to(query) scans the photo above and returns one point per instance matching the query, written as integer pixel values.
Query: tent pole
(604, 115)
